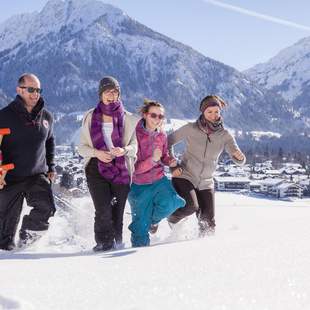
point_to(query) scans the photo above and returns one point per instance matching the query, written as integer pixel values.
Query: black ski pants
(109, 200)
(198, 201)
(38, 194)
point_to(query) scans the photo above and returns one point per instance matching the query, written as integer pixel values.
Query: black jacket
(30, 146)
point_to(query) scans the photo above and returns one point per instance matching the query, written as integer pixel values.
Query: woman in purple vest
(109, 146)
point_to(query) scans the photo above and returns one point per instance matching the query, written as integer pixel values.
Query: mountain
(3, 97)
(72, 44)
(288, 74)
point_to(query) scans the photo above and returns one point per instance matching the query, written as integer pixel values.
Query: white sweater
(87, 150)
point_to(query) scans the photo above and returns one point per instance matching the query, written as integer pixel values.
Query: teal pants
(150, 203)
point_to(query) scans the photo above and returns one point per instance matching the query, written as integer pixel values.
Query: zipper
(203, 163)
(153, 164)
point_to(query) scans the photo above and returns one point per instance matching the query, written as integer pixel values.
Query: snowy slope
(79, 14)
(288, 73)
(3, 97)
(258, 259)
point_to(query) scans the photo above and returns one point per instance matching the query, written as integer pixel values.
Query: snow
(272, 181)
(258, 259)
(175, 124)
(289, 69)
(78, 14)
(232, 179)
(257, 135)
(287, 185)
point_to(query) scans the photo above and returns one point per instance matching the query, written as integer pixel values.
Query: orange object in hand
(7, 167)
(4, 131)
(3, 170)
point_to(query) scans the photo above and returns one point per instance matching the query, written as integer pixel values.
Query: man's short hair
(24, 76)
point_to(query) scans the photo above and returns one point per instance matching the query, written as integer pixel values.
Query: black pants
(198, 201)
(109, 200)
(38, 194)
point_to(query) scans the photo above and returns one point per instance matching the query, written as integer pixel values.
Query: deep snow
(258, 259)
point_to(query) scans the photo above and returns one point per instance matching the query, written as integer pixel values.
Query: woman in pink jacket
(152, 196)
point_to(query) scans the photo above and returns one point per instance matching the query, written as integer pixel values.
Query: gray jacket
(200, 157)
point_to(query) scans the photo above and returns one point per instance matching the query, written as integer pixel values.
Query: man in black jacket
(31, 148)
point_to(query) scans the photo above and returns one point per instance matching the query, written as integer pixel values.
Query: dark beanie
(211, 101)
(108, 82)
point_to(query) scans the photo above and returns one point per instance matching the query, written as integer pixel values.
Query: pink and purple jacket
(148, 171)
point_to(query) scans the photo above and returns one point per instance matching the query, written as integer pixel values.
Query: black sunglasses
(31, 90)
(154, 115)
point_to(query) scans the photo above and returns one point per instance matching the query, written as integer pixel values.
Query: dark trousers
(38, 194)
(198, 201)
(109, 200)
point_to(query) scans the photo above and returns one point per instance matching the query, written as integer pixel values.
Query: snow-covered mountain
(75, 14)
(72, 44)
(288, 74)
(4, 97)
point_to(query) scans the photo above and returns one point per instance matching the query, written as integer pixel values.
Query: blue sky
(240, 33)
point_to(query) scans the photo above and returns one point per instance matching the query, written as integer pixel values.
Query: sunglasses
(31, 90)
(154, 115)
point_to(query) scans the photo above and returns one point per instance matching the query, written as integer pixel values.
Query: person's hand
(118, 151)
(104, 156)
(173, 163)
(177, 172)
(157, 154)
(2, 183)
(52, 176)
(238, 155)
